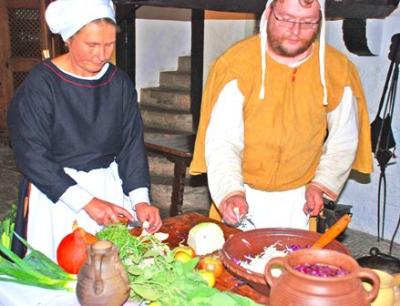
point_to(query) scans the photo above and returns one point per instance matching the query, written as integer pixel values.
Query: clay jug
(294, 288)
(102, 280)
(386, 293)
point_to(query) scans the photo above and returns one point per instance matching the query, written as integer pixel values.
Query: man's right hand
(106, 213)
(233, 207)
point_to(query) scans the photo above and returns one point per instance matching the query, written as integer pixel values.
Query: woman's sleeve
(30, 120)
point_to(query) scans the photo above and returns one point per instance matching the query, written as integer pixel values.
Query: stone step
(165, 98)
(175, 80)
(194, 198)
(160, 166)
(162, 172)
(151, 133)
(170, 120)
(184, 63)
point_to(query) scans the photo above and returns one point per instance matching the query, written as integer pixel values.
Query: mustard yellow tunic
(285, 132)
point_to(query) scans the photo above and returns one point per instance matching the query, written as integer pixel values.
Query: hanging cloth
(383, 143)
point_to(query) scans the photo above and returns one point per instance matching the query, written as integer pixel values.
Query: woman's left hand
(151, 214)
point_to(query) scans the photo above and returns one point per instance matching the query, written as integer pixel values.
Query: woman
(77, 133)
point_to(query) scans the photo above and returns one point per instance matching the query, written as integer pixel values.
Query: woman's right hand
(106, 213)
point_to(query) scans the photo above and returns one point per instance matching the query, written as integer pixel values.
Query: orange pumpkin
(71, 252)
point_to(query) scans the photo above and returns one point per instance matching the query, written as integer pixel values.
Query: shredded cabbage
(257, 263)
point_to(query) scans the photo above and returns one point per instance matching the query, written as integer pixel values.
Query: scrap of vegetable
(156, 277)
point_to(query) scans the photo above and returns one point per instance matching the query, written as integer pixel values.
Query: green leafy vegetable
(156, 277)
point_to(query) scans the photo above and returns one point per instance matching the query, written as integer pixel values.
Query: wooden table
(178, 228)
(178, 149)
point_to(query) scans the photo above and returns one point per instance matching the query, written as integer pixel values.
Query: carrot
(334, 231)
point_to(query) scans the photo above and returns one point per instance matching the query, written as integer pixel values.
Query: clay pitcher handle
(98, 285)
(273, 262)
(372, 276)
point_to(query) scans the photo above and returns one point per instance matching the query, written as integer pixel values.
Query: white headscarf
(66, 17)
(263, 33)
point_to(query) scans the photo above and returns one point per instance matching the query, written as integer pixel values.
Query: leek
(36, 269)
(7, 228)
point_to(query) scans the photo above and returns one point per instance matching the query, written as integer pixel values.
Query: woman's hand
(105, 213)
(151, 214)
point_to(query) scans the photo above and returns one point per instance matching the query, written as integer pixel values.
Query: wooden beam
(335, 9)
(126, 45)
(214, 5)
(196, 66)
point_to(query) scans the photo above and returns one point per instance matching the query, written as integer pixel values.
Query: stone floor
(359, 243)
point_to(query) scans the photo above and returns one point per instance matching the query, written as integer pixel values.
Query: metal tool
(130, 224)
(242, 220)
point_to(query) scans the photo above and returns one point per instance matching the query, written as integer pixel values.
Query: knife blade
(242, 220)
(128, 223)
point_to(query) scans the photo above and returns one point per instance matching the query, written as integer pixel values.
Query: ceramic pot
(294, 288)
(251, 243)
(102, 280)
(386, 294)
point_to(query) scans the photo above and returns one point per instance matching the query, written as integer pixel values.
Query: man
(283, 121)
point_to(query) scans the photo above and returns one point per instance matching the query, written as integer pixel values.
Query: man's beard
(275, 44)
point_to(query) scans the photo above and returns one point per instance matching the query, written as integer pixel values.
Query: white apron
(48, 223)
(276, 209)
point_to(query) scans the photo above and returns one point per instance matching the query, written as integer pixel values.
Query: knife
(242, 219)
(130, 224)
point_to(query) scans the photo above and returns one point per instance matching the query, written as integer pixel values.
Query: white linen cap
(263, 34)
(66, 17)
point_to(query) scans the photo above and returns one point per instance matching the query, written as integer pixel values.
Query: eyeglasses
(290, 23)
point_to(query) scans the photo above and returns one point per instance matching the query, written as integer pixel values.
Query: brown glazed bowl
(253, 242)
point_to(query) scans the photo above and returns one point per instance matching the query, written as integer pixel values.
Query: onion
(321, 270)
(72, 252)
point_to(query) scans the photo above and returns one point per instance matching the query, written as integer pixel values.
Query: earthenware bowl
(252, 243)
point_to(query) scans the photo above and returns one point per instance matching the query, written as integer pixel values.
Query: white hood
(263, 34)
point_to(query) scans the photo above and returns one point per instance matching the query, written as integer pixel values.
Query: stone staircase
(166, 111)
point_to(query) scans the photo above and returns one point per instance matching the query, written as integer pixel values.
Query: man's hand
(234, 207)
(105, 213)
(146, 212)
(314, 201)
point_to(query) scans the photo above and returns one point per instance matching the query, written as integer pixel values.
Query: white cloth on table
(12, 294)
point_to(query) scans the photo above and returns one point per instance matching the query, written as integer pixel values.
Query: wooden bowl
(253, 242)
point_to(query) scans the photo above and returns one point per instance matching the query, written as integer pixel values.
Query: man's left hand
(314, 200)
(151, 214)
